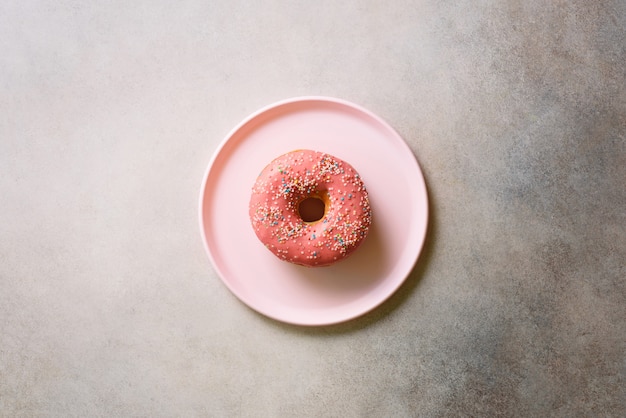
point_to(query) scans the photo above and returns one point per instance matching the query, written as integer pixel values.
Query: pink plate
(323, 295)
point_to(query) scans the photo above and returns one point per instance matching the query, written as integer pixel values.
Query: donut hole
(311, 209)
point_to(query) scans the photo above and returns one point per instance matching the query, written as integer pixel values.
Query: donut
(310, 208)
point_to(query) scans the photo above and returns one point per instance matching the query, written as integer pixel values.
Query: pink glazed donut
(310, 208)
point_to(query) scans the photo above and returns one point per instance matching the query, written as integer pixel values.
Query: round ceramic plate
(323, 295)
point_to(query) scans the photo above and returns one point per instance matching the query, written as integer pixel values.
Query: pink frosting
(295, 176)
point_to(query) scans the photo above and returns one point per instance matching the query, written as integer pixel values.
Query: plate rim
(277, 104)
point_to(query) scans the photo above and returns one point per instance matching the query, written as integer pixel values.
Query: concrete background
(111, 110)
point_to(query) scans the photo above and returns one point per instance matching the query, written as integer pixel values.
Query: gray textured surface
(110, 111)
